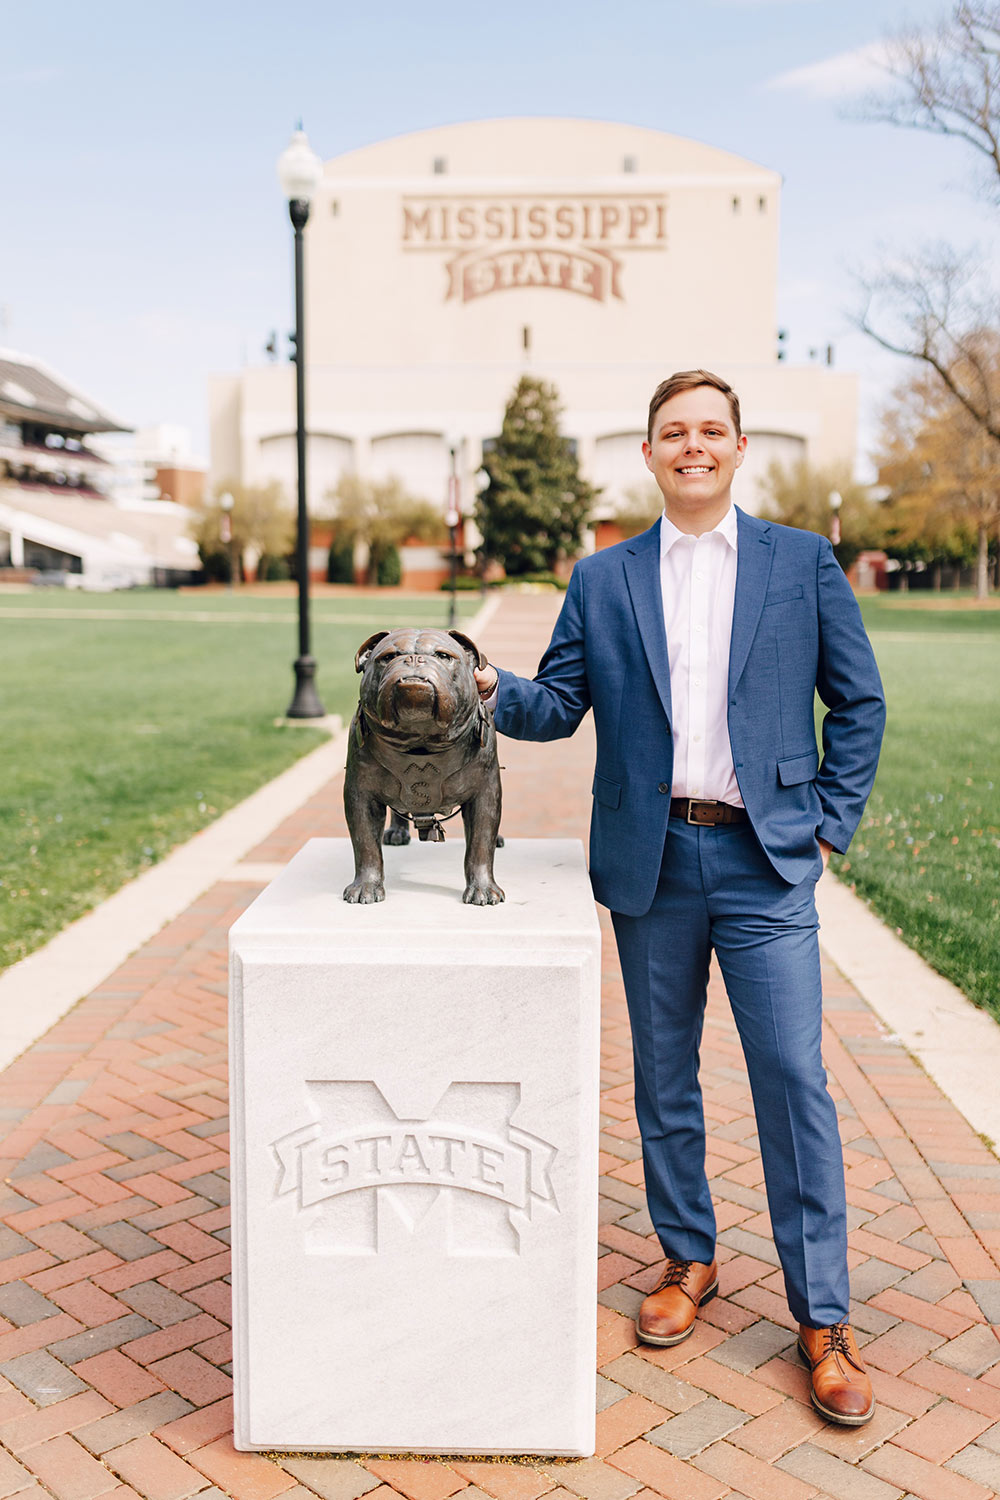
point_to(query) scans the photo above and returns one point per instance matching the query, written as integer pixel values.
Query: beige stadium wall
(625, 254)
(535, 223)
(788, 412)
(225, 423)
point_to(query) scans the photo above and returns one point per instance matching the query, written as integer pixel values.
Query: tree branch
(948, 83)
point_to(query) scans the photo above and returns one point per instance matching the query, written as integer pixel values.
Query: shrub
(216, 563)
(273, 569)
(340, 561)
(389, 569)
(548, 580)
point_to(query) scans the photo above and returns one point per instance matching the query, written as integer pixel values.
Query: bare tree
(260, 522)
(382, 515)
(641, 504)
(799, 495)
(936, 305)
(947, 81)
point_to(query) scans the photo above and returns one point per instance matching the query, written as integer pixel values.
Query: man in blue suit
(700, 646)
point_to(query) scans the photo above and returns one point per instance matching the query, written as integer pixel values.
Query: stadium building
(73, 508)
(442, 265)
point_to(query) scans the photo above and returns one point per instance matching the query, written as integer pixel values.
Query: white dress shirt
(698, 583)
(698, 587)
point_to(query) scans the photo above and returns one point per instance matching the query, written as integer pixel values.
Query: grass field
(130, 721)
(927, 855)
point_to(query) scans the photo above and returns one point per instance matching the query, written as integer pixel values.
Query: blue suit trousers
(718, 890)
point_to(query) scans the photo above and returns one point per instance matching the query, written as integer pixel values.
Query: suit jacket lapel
(754, 553)
(642, 574)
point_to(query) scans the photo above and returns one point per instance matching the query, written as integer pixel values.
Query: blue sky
(144, 242)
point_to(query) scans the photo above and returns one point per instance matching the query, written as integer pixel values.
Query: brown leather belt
(707, 814)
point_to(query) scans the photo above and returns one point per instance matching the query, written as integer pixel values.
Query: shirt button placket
(697, 719)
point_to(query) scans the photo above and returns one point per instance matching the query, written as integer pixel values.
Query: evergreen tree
(389, 568)
(340, 560)
(532, 513)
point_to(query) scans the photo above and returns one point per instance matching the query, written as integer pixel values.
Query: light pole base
(305, 704)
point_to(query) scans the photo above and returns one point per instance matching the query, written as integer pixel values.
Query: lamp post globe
(299, 172)
(299, 169)
(836, 501)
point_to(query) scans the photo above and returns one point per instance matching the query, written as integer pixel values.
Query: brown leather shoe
(841, 1390)
(668, 1313)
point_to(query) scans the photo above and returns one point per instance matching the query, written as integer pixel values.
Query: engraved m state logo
(459, 1179)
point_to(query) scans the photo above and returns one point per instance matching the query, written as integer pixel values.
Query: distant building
(442, 265)
(154, 463)
(64, 510)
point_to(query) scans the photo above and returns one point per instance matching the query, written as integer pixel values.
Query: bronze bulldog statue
(423, 745)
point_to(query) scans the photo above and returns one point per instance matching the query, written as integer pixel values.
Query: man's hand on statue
(486, 679)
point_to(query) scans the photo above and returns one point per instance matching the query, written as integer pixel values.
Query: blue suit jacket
(796, 630)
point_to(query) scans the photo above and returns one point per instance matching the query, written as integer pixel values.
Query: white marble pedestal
(414, 1120)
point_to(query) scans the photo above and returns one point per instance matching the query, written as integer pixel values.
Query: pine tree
(532, 513)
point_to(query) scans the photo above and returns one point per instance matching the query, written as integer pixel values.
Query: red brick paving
(114, 1299)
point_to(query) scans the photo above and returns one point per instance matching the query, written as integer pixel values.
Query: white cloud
(45, 73)
(837, 77)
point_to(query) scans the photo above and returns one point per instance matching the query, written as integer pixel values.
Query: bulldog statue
(423, 745)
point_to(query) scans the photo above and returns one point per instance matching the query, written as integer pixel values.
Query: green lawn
(927, 854)
(122, 736)
(125, 732)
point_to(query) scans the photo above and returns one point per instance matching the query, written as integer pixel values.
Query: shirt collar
(669, 534)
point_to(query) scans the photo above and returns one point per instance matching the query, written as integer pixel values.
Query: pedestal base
(414, 1122)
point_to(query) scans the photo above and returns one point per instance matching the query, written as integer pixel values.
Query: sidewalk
(114, 1299)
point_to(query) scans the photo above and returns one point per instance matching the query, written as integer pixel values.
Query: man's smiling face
(694, 454)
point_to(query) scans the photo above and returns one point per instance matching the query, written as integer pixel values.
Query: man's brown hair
(690, 380)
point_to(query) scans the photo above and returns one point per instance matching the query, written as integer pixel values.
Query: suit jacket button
(663, 787)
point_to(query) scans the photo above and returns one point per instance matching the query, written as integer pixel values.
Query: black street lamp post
(836, 501)
(299, 171)
(452, 519)
(226, 503)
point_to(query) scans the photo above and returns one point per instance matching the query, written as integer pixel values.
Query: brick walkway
(114, 1299)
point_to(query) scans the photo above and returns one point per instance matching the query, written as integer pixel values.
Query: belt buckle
(694, 803)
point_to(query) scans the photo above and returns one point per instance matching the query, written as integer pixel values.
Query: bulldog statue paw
(398, 831)
(365, 890)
